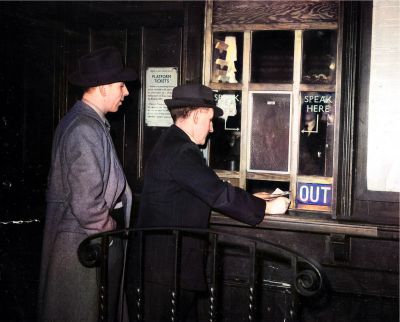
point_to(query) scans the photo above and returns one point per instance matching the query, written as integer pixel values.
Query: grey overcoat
(85, 182)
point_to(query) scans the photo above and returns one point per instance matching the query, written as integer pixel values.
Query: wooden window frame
(357, 202)
(362, 191)
(296, 88)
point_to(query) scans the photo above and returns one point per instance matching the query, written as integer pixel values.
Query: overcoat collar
(89, 111)
(182, 133)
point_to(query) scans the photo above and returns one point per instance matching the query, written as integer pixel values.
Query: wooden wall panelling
(38, 82)
(28, 65)
(132, 110)
(11, 81)
(76, 44)
(192, 42)
(162, 47)
(345, 159)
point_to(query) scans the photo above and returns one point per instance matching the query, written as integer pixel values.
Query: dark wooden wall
(361, 277)
(41, 43)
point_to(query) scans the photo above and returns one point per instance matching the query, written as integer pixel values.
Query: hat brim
(179, 103)
(126, 75)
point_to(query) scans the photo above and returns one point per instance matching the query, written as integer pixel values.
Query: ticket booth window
(319, 56)
(285, 93)
(316, 134)
(225, 144)
(272, 56)
(269, 131)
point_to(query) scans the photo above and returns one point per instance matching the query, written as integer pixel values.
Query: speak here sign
(314, 194)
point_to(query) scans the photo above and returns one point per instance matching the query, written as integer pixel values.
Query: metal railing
(303, 280)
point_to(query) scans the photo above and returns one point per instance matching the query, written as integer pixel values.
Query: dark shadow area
(19, 270)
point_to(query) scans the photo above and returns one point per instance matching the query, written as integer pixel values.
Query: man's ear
(195, 116)
(103, 90)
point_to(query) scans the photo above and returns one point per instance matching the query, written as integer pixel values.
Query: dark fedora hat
(194, 96)
(100, 67)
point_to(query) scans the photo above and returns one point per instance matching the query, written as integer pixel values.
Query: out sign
(314, 194)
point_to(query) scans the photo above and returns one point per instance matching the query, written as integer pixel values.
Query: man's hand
(275, 203)
(277, 206)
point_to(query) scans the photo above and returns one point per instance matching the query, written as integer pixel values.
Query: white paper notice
(159, 84)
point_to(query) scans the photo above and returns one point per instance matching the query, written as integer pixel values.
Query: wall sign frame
(160, 82)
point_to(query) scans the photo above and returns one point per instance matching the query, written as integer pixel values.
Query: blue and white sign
(314, 194)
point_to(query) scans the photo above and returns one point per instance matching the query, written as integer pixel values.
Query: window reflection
(227, 57)
(272, 57)
(270, 129)
(225, 141)
(319, 56)
(316, 134)
(254, 186)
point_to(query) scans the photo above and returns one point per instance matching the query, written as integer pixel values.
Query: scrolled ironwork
(139, 304)
(212, 308)
(90, 253)
(308, 283)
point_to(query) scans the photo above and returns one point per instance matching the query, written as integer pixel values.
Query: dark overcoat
(85, 182)
(179, 191)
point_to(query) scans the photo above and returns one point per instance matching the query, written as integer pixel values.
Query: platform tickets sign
(160, 82)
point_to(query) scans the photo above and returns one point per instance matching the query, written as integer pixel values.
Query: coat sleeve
(85, 155)
(190, 171)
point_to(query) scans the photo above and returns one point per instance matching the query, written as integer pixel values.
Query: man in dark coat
(85, 184)
(179, 191)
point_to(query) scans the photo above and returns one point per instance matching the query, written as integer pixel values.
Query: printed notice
(159, 84)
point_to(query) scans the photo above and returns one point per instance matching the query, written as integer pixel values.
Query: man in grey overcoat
(86, 183)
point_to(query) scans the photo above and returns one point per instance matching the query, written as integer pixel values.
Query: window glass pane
(227, 57)
(272, 57)
(254, 186)
(225, 140)
(270, 132)
(316, 135)
(319, 56)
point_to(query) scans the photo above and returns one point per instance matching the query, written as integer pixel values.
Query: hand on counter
(276, 204)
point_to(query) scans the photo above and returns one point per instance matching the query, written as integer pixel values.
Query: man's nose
(126, 92)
